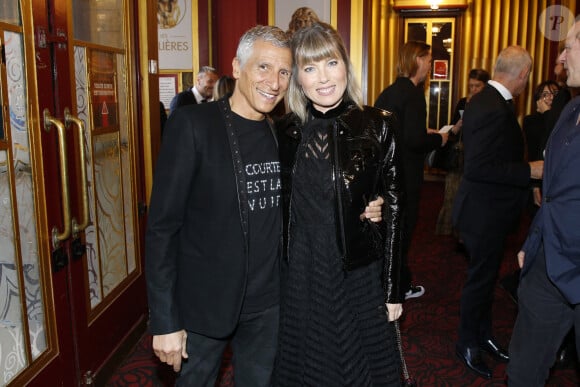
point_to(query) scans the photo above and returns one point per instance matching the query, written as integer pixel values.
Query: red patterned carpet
(429, 323)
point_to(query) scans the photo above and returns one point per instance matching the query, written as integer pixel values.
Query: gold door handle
(57, 236)
(80, 125)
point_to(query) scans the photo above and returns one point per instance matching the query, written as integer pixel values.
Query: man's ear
(236, 68)
(525, 73)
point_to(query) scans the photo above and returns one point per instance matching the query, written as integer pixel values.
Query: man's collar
(196, 94)
(505, 93)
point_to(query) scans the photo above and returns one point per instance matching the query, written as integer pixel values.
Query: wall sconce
(410, 5)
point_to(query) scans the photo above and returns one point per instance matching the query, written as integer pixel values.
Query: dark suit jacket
(407, 101)
(196, 243)
(557, 222)
(181, 99)
(495, 177)
(456, 113)
(535, 130)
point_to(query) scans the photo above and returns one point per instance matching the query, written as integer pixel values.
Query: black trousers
(254, 349)
(544, 318)
(409, 223)
(486, 253)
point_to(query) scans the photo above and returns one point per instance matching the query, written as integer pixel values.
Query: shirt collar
(197, 95)
(505, 93)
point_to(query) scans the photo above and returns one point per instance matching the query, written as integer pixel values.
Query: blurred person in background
(477, 80)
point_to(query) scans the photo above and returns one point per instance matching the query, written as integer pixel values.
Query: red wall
(231, 18)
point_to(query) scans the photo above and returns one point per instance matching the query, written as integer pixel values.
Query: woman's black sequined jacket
(366, 164)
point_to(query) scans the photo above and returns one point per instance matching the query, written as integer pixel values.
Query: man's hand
(395, 311)
(521, 257)
(444, 138)
(536, 169)
(457, 127)
(537, 196)
(170, 348)
(374, 210)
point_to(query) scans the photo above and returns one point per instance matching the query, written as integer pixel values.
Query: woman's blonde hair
(407, 65)
(311, 44)
(224, 85)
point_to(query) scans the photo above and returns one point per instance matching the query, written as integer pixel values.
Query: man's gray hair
(270, 34)
(512, 60)
(206, 70)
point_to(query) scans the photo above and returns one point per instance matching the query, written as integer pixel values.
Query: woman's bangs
(315, 49)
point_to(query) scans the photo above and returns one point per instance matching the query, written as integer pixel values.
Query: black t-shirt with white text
(262, 173)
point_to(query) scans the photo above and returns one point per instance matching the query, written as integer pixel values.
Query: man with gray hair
(201, 92)
(213, 232)
(490, 198)
(549, 292)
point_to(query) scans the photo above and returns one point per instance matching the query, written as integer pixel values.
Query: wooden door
(71, 280)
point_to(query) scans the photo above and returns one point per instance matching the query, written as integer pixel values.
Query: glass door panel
(113, 279)
(439, 33)
(22, 294)
(101, 88)
(67, 304)
(99, 22)
(10, 12)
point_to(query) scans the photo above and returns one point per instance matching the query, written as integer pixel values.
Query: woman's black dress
(334, 329)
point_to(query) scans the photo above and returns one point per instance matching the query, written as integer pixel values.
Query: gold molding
(271, 12)
(147, 52)
(334, 13)
(209, 33)
(356, 38)
(195, 35)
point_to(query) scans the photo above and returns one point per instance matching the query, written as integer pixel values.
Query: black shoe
(471, 356)
(491, 347)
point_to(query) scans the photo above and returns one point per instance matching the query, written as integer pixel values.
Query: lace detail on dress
(318, 146)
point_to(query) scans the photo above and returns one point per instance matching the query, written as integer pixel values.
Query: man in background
(201, 92)
(549, 291)
(490, 199)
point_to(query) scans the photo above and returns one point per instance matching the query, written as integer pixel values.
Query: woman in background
(406, 99)
(476, 82)
(340, 283)
(302, 17)
(224, 85)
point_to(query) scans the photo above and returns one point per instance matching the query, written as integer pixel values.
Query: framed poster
(103, 89)
(440, 69)
(174, 29)
(167, 88)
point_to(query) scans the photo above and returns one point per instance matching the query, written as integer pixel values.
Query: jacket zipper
(335, 174)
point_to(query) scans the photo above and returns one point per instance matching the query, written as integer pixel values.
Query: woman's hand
(542, 106)
(374, 210)
(394, 311)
